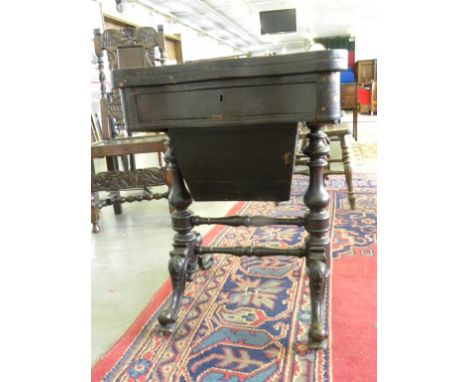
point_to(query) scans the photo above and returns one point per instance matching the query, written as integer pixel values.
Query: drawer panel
(226, 103)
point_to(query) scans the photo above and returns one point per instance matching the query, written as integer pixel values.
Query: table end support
(317, 243)
(183, 261)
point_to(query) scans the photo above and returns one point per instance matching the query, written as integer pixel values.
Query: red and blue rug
(246, 319)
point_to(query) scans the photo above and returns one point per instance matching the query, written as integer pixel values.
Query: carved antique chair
(333, 133)
(126, 49)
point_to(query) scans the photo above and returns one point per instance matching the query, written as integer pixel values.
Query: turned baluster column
(184, 243)
(317, 225)
(98, 49)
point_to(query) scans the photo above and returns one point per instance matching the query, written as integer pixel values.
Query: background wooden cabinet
(348, 96)
(366, 74)
(366, 71)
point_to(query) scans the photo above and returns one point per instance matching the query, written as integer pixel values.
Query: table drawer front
(226, 103)
(285, 99)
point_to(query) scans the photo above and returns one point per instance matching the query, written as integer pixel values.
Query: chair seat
(126, 180)
(130, 145)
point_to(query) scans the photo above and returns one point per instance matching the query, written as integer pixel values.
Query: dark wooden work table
(232, 129)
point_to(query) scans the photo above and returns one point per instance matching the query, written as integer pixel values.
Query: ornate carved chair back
(126, 49)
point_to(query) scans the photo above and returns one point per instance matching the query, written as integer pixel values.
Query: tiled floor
(130, 254)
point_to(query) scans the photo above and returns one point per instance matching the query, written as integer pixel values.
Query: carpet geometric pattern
(246, 319)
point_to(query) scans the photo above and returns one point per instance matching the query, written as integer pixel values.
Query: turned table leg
(348, 171)
(184, 243)
(317, 242)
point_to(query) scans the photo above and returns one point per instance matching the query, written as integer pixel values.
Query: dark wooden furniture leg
(348, 171)
(113, 165)
(95, 213)
(125, 165)
(192, 266)
(317, 225)
(94, 205)
(184, 243)
(355, 117)
(132, 162)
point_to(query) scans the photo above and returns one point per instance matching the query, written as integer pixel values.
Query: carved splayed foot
(167, 323)
(318, 274)
(178, 272)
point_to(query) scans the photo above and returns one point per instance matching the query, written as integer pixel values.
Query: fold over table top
(232, 92)
(203, 70)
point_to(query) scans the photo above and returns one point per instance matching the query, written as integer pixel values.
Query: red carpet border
(246, 319)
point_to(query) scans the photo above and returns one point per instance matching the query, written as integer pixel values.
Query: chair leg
(125, 165)
(113, 165)
(95, 213)
(355, 118)
(348, 171)
(160, 159)
(94, 204)
(132, 162)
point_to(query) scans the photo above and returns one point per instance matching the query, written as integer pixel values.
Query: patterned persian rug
(246, 319)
